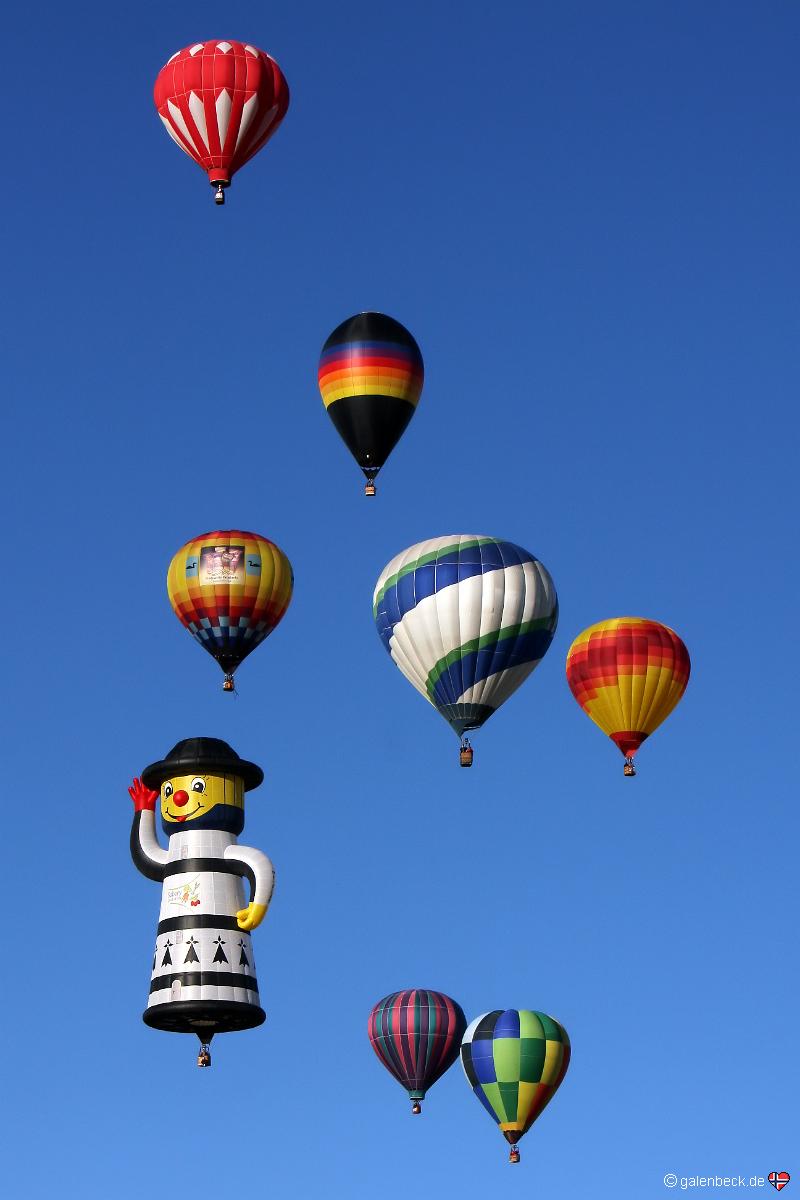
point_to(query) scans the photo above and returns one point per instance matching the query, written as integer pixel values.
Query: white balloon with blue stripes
(466, 618)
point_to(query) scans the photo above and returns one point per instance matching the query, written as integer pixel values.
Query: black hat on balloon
(200, 756)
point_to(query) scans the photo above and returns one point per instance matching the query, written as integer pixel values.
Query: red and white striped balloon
(221, 102)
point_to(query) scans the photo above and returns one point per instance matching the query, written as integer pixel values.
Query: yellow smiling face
(191, 797)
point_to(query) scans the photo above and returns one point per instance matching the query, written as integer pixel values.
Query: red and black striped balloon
(417, 1036)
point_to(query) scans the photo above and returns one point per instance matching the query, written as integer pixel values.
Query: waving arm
(147, 855)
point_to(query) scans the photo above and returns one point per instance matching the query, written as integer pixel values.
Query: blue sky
(587, 215)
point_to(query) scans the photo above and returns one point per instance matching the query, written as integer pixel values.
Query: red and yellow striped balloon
(628, 674)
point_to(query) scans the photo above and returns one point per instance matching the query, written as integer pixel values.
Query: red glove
(141, 796)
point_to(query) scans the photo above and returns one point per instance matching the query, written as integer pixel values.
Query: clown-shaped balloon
(203, 977)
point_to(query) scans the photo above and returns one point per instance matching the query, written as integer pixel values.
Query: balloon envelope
(466, 618)
(229, 588)
(370, 379)
(221, 101)
(515, 1061)
(627, 674)
(416, 1034)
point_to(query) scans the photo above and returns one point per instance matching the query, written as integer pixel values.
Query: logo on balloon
(221, 564)
(187, 895)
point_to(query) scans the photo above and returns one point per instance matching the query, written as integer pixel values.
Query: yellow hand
(252, 916)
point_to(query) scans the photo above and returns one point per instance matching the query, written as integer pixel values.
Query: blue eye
(168, 790)
(198, 785)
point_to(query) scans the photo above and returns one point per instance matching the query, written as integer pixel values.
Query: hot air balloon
(221, 102)
(230, 589)
(202, 978)
(628, 674)
(466, 618)
(515, 1062)
(416, 1034)
(370, 377)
